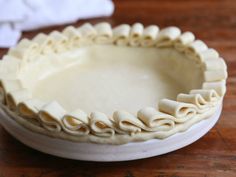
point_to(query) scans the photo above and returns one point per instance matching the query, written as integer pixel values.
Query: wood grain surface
(213, 21)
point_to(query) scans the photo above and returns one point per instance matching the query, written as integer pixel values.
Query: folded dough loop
(74, 36)
(127, 122)
(156, 120)
(167, 36)
(181, 111)
(196, 99)
(121, 34)
(215, 75)
(59, 41)
(25, 50)
(76, 123)
(87, 31)
(209, 54)
(45, 43)
(183, 41)
(219, 87)
(149, 36)
(101, 125)
(210, 96)
(30, 108)
(136, 33)
(51, 116)
(7, 86)
(215, 64)
(104, 33)
(194, 48)
(13, 98)
(10, 64)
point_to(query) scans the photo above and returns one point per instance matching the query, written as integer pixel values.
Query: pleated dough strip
(10, 64)
(74, 36)
(167, 36)
(196, 99)
(127, 122)
(7, 86)
(121, 34)
(76, 123)
(51, 116)
(87, 31)
(210, 96)
(136, 33)
(209, 54)
(13, 98)
(149, 36)
(215, 75)
(104, 33)
(194, 48)
(182, 111)
(101, 125)
(30, 108)
(184, 40)
(219, 87)
(25, 50)
(59, 41)
(45, 43)
(215, 64)
(156, 120)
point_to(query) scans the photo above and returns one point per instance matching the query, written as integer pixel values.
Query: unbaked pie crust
(111, 85)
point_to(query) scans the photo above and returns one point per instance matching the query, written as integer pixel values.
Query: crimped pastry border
(122, 127)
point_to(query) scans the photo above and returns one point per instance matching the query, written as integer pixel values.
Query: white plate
(102, 152)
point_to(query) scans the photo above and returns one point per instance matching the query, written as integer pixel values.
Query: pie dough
(110, 85)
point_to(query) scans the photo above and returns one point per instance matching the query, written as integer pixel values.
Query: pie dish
(110, 85)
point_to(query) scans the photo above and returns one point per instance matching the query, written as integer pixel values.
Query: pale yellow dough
(110, 85)
(111, 78)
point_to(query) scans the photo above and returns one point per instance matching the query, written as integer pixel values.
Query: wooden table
(213, 21)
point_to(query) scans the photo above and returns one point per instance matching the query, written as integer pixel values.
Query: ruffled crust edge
(169, 114)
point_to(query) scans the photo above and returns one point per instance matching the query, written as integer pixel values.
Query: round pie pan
(104, 152)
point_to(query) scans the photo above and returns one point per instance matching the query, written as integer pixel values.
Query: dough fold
(59, 40)
(101, 125)
(156, 120)
(215, 64)
(196, 99)
(215, 75)
(218, 86)
(121, 34)
(184, 40)
(87, 31)
(209, 54)
(209, 95)
(149, 36)
(30, 108)
(73, 35)
(76, 123)
(166, 36)
(104, 33)
(45, 43)
(194, 48)
(7, 86)
(136, 33)
(127, 122)
(13, 98)
(181, 111)
(10, 64)
(51, 116)
(26, 50)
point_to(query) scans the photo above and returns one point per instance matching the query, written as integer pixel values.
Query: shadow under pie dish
(110, 85)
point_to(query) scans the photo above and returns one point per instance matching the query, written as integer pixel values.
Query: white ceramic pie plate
(102, 152)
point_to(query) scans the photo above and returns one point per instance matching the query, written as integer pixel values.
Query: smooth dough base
(110, 78)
